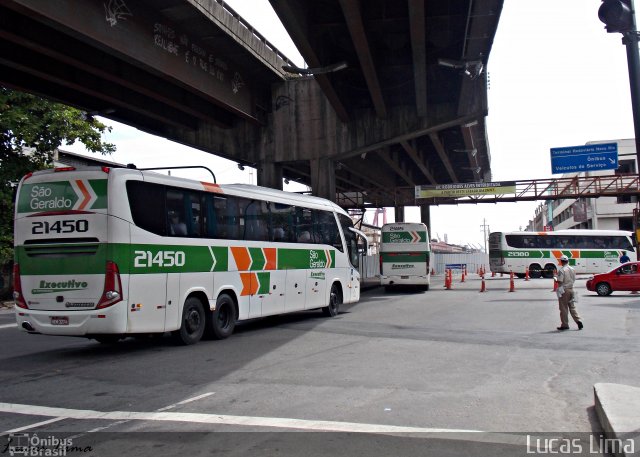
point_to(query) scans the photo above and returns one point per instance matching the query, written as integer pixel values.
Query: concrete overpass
(408, 109)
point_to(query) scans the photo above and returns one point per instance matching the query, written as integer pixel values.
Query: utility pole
(619, 17)
(485, 229)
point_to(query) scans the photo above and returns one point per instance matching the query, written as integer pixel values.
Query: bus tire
(222, 321)
(192, 323)
(333, 308)
(603, 289)
(549, 271)
(107, 339)
(535, 271)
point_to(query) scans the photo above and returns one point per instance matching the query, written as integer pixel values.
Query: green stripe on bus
(90, 258)
(265, 281)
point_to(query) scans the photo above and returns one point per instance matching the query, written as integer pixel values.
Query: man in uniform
(566, 295)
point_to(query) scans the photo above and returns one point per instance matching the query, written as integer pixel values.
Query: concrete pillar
(323, 178)
(425, 216)
(399, 210)
(270, 175)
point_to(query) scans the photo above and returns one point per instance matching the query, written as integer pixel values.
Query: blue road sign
(591, 157)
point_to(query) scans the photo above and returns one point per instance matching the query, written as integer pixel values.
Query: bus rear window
(147, 202)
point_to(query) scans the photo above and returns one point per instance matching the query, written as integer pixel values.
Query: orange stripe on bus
(270, 256)
(575, 254)
(248, 282)
(242, 258)
(85, 193)
(210, 187)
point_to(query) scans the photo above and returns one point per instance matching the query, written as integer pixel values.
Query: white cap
(564, 258)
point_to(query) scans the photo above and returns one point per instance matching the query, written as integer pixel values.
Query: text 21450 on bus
(110, 252)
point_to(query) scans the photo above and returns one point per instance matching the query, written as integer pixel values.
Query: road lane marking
(221, 419)
(184, 402)
(8, 326)
(27, 427)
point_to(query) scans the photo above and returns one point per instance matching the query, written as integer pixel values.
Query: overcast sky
(556, 79)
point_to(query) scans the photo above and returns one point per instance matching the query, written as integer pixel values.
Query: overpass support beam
(323, 178)
(425, 216)
(270, 175)
(399, 211)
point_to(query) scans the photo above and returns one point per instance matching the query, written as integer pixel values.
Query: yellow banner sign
(467, 189)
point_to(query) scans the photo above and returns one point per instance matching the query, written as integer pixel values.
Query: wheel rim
(193, 321)
(603, 289)
(223, 317)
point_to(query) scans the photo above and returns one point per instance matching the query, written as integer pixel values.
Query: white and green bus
(405, 255)
(106, 253)
(589, 251)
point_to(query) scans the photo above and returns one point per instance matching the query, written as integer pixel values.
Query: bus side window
(194, 214)
(176, 213)
(281, 222)
(304, 226)
(147, 204)
(328, 229)
(256, 221)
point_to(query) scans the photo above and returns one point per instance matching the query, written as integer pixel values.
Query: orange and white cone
(482, 286)
(512, 286)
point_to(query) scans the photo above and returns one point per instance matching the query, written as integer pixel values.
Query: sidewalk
(618, 409)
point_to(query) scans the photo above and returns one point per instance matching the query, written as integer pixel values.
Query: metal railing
(531, 190)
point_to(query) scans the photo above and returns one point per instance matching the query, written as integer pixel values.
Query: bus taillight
(112, 292)
(18, 296)
(380, 258)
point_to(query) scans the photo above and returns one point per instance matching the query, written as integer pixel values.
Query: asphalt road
(443, 372)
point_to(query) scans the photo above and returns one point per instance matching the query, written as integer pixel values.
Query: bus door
(147, 301)
(296, 285)
(271, 292)
(316, 280)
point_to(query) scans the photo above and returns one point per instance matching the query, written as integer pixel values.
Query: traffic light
(617, 15)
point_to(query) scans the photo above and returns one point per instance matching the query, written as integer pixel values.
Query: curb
(618, 409)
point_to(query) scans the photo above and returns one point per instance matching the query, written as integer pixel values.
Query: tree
(31, 128)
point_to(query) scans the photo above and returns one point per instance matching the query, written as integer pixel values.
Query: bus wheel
(603, 289)
(332, 309)
(535, 270)
(549, 270)
(222, 321)
(108, 339)
(193, 322)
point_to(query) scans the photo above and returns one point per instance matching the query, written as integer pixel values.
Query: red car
(624, 277)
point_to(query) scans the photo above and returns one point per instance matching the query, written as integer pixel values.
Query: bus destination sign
(590, 157)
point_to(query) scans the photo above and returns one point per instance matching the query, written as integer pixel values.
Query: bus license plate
(59, 320)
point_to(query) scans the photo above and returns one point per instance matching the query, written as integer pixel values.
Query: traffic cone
(447, 279)
(512, 286)
(462, 279)
(482, 286)
(493, 274)
(433, 272)
(526, 274)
